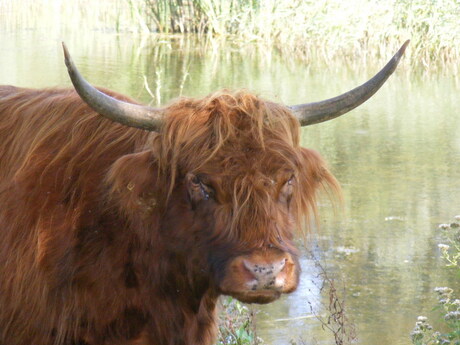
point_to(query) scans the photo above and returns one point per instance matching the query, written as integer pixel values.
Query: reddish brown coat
(113, 235)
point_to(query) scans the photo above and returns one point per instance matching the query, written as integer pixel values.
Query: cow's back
(57, 121)
(54, 154)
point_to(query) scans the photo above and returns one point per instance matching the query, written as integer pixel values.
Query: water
(396, 158)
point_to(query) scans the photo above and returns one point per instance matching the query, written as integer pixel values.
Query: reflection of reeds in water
(333, 29)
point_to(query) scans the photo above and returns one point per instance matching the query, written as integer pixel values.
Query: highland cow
(125, 228)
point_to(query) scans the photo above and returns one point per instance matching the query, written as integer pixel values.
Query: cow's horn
(129, 114)
(311, 113)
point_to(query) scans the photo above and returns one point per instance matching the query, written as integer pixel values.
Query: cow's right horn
(129, 114)
(312, 113)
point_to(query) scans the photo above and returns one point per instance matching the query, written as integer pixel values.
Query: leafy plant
(424, 333)
(236, 324)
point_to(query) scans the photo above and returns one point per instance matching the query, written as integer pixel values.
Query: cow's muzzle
(261, 277)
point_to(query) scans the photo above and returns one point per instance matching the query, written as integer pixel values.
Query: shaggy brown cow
(119, 235)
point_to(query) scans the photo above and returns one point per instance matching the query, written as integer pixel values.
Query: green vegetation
(449, 306)
(236, 326)
(237, 322)
(307, 29)
(332, 29)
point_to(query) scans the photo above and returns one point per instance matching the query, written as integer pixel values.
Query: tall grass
(332, 28)
(56, 16)
(306, 29)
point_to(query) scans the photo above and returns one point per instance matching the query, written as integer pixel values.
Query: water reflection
(396, 158)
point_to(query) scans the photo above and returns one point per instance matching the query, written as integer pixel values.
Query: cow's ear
(197, 188)
(132, 182)
(316, 173)
(313, 165)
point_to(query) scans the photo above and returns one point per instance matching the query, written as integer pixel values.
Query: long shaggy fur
(232, 130)
(99, 242)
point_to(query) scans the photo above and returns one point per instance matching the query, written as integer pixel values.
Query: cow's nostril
(267, 274)
(282, 263)
(250, 267)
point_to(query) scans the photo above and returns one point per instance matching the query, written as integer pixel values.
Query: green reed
(326, 29)
(305, 29)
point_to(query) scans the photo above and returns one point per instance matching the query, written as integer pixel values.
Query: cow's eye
(286, 190)
(205, 190)
(197, 189)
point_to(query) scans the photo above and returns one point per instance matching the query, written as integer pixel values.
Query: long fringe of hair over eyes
(214, 130)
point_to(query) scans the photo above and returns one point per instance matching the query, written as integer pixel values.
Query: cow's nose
(266, 275)
(261, 276)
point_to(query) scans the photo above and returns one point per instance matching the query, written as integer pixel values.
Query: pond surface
(396, 157)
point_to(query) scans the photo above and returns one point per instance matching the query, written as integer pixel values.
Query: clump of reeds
(306, 29)
(332, 29)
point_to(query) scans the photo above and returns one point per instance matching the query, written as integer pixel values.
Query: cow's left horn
(129, 114)
(311, 113)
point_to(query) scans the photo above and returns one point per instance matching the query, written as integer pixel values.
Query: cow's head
(247, 182)
(240, 181)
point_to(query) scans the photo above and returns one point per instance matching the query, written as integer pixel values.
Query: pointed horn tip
(378, 80)
(403, 48)
(68, 59)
